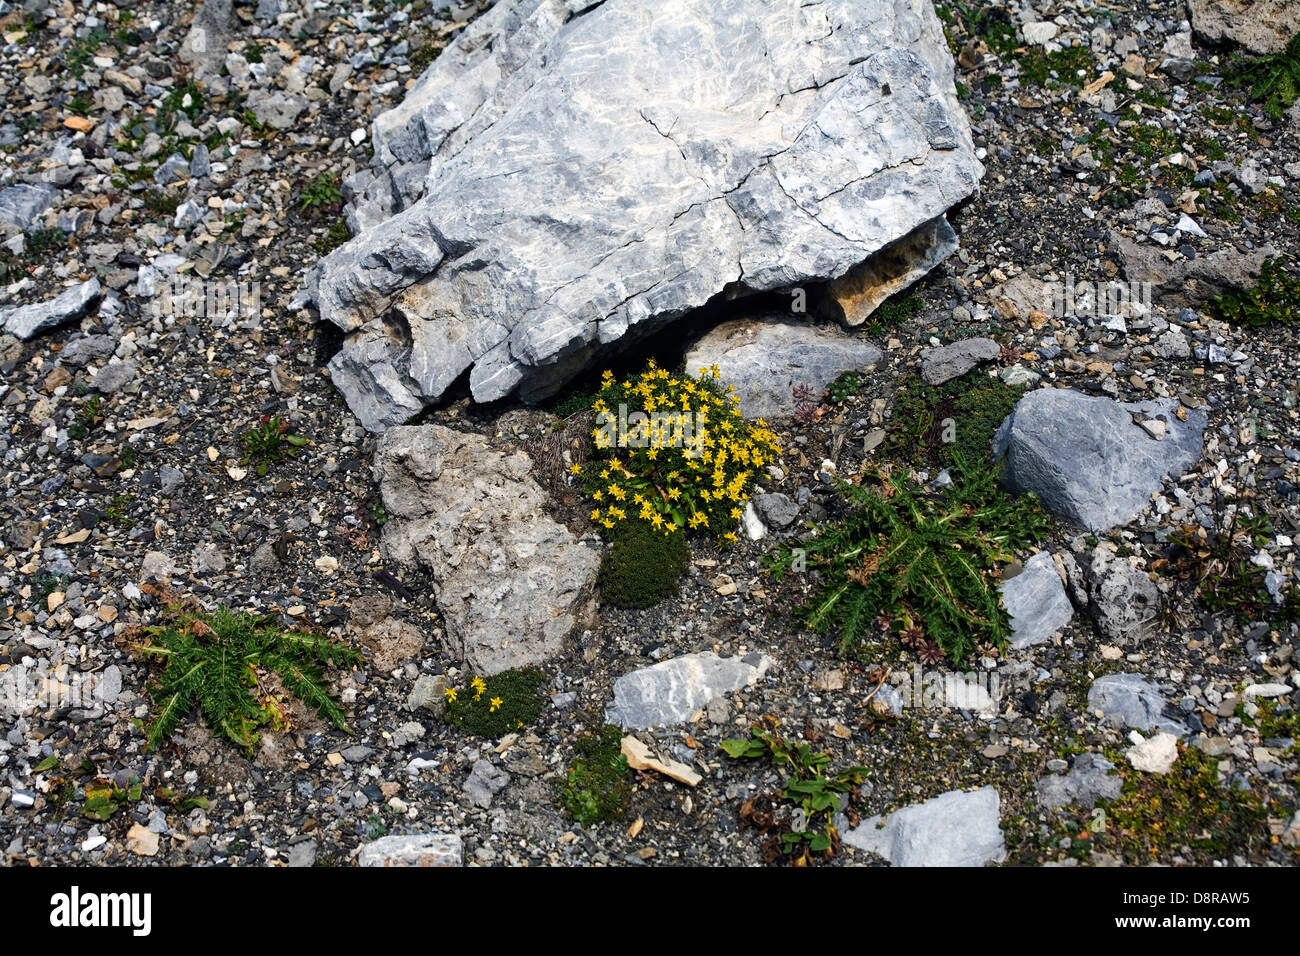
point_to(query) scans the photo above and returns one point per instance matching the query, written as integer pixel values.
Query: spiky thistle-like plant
(219, 661)
(925, 563)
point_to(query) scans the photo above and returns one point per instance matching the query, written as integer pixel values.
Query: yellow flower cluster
(478, 685)
(673, 451)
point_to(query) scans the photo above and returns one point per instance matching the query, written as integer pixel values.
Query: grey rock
(1189, 282)
(1085, 458)
(188, 214)
(1089, 780)
(1132, 701)
(303, 853)
(20, 205)
(429, 693)
(208, 559)
(28, 320)
(421, 849)
(204, 46)
(1172, 344)
(950, 361)
(1036, 600)
(278, 110)
(670, 692)
(958, 828)
(765, 358)
(268, 10)
(485, 781)
(1123, 601)
(200, 161)
(109, 686)
(511, 583)
(776, 510)
(115, 375)
(408, 733)
(174, 169)
(84, 349)
(169, 479)
(1262, 26)
(645, 195)
(264, 559)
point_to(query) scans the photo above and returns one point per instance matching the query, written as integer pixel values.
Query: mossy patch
(641, 566)
(598, 787)
(936, 424)
(494, 706)
(1186, 812)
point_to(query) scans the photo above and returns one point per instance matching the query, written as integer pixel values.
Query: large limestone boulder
(568, 174)
(511, 583)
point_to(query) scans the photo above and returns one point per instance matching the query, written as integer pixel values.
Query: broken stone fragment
(26, 321)
(767, 358)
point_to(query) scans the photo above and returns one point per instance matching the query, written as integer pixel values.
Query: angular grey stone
(26, 321)
(1123, 601)
(511, 583)
(765, 358)
(1133, 701)
(408, 733)
(485, 781)
(776, 510)
(760, 148)
(1085, 458)
(1036, 600)
(958, 828)
(1172, 344)
(268, 10)
(671, 691)
(1189, 282)
(1088, 781)
(200, 161)
(429, 692)
(303, 853)
(278, 110)
(109, 686)
(21, 204)
(420, 849)
(84, 349)
(115, 375)
(950, 361)
(204, 46)
(173, 170)
(207, 559)
(169, 479)
(264, 559)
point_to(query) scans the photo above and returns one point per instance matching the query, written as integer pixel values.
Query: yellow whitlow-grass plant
(673, 451)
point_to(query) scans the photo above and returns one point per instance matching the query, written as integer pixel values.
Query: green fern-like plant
(924, 563)
(1273, 81)
(217, 661)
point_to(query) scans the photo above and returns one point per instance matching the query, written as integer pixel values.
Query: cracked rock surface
(555, 182)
